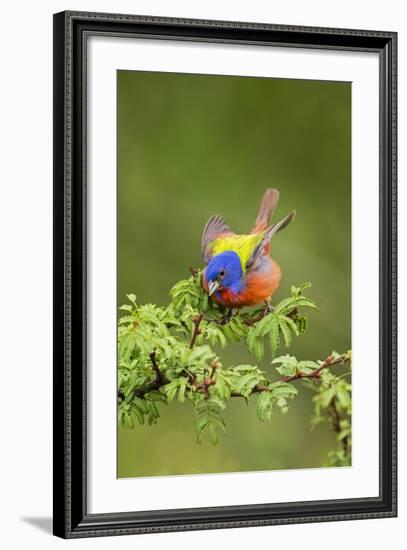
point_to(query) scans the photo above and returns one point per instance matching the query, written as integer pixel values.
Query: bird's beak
(213, 286)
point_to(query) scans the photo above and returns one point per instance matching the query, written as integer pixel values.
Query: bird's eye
(222, 273)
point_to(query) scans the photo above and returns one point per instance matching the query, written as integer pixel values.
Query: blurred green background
(190, 146)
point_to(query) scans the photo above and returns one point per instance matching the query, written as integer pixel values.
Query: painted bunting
(239, 270)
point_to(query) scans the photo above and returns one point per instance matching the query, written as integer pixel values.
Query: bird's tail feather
(267, 206)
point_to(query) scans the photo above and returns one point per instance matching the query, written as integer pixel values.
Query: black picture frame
(71, 519)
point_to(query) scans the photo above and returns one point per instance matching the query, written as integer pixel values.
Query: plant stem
(211, 380)
(258, 388)
(159, 378)
(329, 362)
(336, 424)
(195, 334)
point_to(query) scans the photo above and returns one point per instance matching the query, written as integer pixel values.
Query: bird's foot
(268, 308)
(227, 317)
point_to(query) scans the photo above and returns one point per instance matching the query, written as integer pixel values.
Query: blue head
(225, 271)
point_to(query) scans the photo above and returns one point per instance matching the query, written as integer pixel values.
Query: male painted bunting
(239, 270)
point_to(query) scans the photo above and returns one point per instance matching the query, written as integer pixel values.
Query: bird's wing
(265, 239)
(267, 206)
(215, 227)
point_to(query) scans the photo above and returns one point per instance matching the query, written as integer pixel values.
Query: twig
(266, 311)
(195, 334)
(263, 313)
(205, 385)
(336, 419)
(207, 382)
(329, 362)
(159, 378)
(211, 379)
(251, 322)
(258, 388)
(336, 424)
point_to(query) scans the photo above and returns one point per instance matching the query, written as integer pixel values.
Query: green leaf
(343, 398)
(285, 331)
(302, 323)
(133, 299)
(126, 307)
(264, 406)
(285, 306)
(171, 390)
(327, 396)
(251, 339)
(274, 336)
(215, 335)
(282, 404)
(247, 383)
(209, 419)
(181, 389)
(223, 385)
(292, 325)
(288, 365)
(176, 387)
(126, 319)
(296, 291)
(258, 349)
(305, 367)
(306, 302)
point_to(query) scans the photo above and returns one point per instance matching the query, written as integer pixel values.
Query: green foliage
(171, 353)
(277, 394)
(209, 418)
(281, 324)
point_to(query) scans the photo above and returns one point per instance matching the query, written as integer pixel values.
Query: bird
(239, 271)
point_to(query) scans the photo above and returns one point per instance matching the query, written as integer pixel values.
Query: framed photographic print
(224, 274)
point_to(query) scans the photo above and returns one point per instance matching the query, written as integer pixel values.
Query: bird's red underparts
(260, 286)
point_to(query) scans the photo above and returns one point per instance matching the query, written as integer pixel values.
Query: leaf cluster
(281, 324)
(172, 353)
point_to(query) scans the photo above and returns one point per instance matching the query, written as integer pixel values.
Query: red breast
(261, 284)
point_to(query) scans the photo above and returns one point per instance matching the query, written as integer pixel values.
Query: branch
(159, 378)
(316, 374)
(266, 311)
(258, 388)
(207, 382)
(211, 380)
(329, 362)
(259, 317)
(336, 424)
(195, 334)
